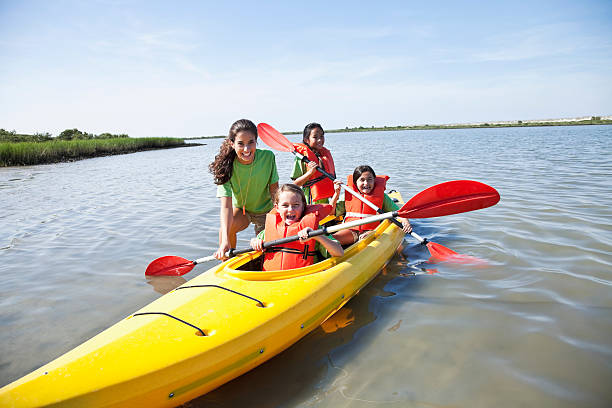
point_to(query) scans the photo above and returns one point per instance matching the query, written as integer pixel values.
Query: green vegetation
(68, 134)
(595, 120)
(72, 134)
(72, 144)
(205, 137)
(12, 136)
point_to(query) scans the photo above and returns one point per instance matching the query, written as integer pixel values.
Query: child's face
(316, 139)
(245, 144)
(289, 207)
(365, 182)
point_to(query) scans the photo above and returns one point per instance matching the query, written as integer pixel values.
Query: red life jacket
(320, 185)
(294, 254)
(356, 209)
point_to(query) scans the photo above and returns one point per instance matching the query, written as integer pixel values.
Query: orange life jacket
(320, 186)
(356, 209)
(294, 254)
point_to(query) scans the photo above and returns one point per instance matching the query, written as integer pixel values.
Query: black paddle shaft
(319, 168)
(281, 241)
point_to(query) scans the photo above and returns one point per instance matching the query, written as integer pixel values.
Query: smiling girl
(372, 188)
(291, 216)
(247, 180)
(316, 186)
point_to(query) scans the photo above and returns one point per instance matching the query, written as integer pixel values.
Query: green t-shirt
(389, 204)
(249, 185)
(299, 168)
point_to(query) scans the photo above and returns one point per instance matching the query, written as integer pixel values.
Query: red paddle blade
(169, 266)
(441, 253)
(274, 138)
(452, 197)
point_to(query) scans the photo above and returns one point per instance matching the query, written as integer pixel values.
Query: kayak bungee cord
(260, 304)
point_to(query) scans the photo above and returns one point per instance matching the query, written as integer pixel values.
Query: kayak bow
(204, 333)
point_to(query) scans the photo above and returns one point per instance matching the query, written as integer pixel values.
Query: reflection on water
(531, 328)
(165, 284)
(339, 320)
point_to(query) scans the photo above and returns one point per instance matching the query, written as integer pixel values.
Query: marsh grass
(29, 153)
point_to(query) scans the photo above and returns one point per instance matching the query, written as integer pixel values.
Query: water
(533, 328)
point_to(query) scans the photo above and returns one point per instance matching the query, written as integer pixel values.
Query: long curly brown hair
(221, 168)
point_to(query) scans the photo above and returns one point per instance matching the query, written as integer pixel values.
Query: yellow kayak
(204, 333)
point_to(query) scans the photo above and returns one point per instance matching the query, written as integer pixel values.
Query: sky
(191, 68)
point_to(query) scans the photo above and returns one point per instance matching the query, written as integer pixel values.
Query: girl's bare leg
(239, 223)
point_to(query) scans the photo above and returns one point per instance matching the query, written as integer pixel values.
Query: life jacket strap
(305, 253)
(310, 182)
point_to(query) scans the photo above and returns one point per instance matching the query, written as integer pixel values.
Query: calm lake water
(533, 328)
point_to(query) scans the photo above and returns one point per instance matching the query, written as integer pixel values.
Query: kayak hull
(206, 332)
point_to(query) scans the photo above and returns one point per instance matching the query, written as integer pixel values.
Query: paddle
(435, 201)
(278, 141)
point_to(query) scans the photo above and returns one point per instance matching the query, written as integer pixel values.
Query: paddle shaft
(359, 196)
(314, 233)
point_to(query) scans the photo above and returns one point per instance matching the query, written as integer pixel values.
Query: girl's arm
(273, 187)
(389, 205)
(334, 199)
(226, 221)
(311, 167)
(333, 247)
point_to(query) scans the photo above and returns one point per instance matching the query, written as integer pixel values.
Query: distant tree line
(12, 136)
(72, 134)
(594, 120)
(68, 134)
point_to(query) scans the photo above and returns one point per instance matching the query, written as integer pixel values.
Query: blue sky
(190, 68)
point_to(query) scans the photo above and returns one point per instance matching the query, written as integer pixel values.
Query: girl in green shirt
(247, 180)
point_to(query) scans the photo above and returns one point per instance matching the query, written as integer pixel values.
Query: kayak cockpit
(248, 266)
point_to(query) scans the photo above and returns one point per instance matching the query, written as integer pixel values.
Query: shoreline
(38, 153)
(584, 121)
